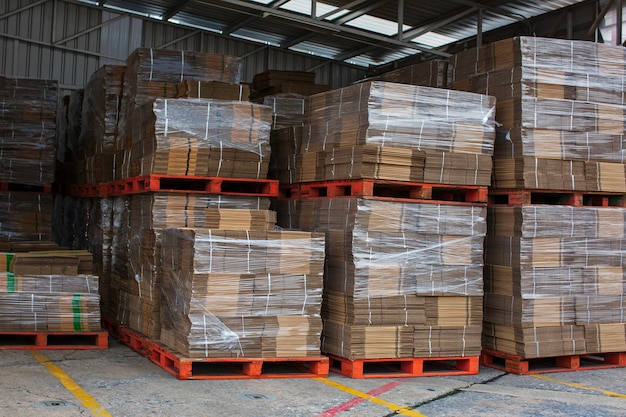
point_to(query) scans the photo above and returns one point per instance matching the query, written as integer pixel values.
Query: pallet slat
(404, 367)
(517, 365)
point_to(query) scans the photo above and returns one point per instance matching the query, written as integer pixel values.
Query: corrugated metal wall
(67, 41)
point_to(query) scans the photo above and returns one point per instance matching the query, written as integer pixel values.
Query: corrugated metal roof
(362, 32)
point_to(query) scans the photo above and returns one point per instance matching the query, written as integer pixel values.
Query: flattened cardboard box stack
(28, 146)
(242, 293)
(561, 107)
(384, 130)
(554, 278)
(402, 279)
(48, 291)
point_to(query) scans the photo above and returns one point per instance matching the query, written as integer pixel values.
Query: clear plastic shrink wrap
(242, 293)
(400, 277)
(554, 280)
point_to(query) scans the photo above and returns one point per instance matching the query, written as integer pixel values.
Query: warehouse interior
(312, 207)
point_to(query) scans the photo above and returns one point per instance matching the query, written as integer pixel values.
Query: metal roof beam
(355, 52)
(233, 27)
(175, 9)
(415, 32)
(359, 12)
(492, 9)
(354, 32)
(599, 20)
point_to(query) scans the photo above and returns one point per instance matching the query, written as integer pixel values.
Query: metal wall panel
(67, 41)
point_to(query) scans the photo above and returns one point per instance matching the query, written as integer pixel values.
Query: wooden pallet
(404, 367)
(53, 340)
(217, 368)
(568, 198)
(384, 189)
(520, 366)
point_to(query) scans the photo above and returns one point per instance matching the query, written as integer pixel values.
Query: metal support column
(479, 28)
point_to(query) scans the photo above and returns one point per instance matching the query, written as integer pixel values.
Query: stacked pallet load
(250, 292)
(435, 73)
(401, 193)
(554, 278)
(179, 158)
(49, 299)
(27, 168)
(273, 82)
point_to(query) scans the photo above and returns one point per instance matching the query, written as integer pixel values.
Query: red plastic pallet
(517, 365)
(53, 340)
(11, 186)
(217, 368)
(190, 184)
(236, 368)
(135, 340)
(384, 189)
(404, 367)
(568, 198)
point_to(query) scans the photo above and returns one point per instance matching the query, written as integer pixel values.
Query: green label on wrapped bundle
(8, 259)
(77, 312)
(11, 283)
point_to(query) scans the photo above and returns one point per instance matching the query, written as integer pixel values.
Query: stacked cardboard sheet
(398, 276)
(28, 130)
(435, 73)
(26, 216)
(274, 82)
(213, 89)
(48, 291)
(287, 110)
(136, 298)
(242, 293)
(554, 280)
(557, 100)
(200, 137)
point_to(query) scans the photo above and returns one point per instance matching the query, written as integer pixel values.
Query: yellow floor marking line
(398, 409)
(576, 385)
(86, 400)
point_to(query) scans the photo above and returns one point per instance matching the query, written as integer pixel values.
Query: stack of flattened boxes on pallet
(402, 279)
(28, 146)
(554, 276)
(205, 136)
(48, 291)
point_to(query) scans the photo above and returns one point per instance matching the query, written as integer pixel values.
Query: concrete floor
(123, 383)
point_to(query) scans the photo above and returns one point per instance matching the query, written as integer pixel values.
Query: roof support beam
(400, 19)
(91, 29)
(416, 32)
(618, 22)
(22, 9)
(599, 18)
(359, 12)
(233, 27)
(513, 16)
(171, 12)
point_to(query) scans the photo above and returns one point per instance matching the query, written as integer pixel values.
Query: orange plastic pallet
(520, 366)
(189, 184)
(404, 367)
(10, 186)
(236, 368)
(384, 189)
(135, 340)
(569, 198)
(45, 340)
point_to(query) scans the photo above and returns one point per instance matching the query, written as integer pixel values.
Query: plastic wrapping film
(100, 236)
(555, 274)
(26, 216)
(557, 99)
(390, 114)
(154, 73)
(555, 174)
(200, 137)
(101, 109)
(49, 302)
(288, 110)
(248, 293)
(147, 215)
(28, 130)
(398, 276)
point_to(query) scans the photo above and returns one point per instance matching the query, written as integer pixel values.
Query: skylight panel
(433, 40)
(304, 7)
(376, 24)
